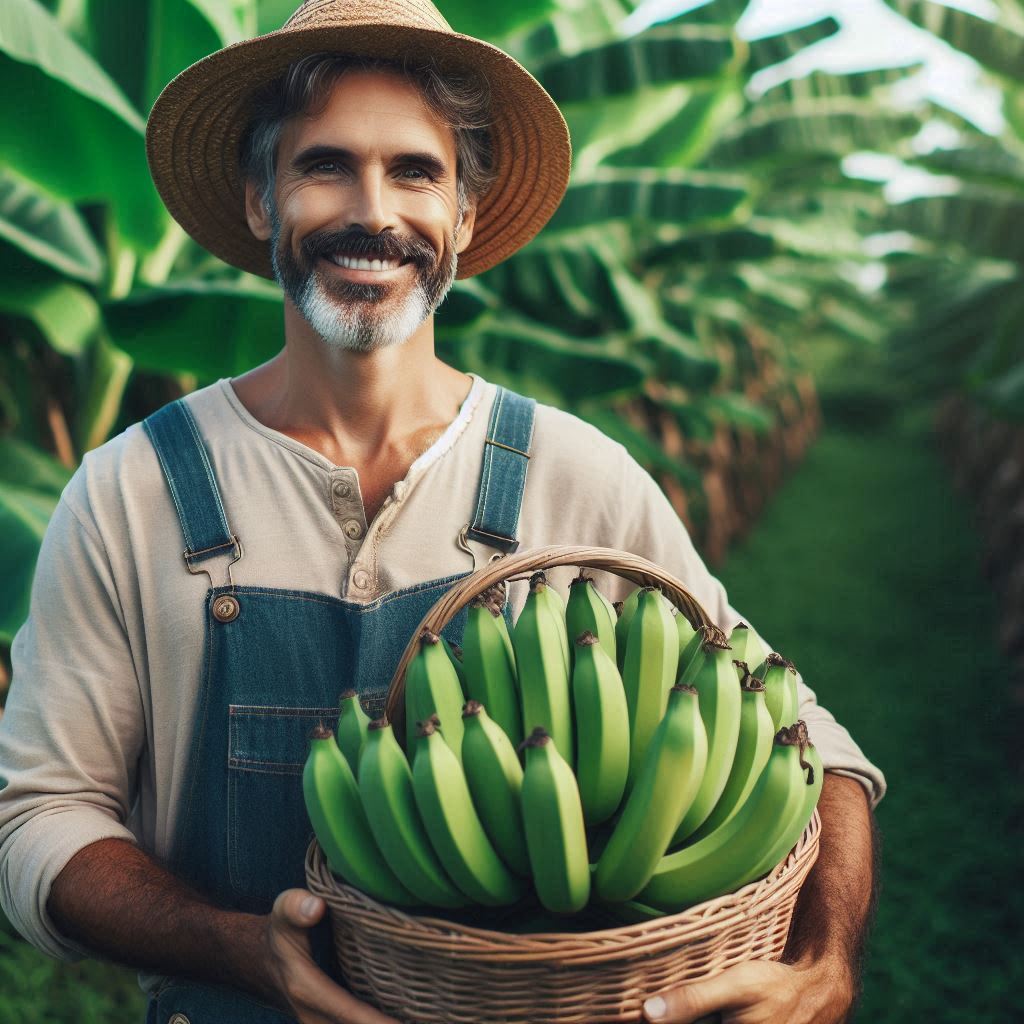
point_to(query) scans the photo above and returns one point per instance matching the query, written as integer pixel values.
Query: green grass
(864, 570)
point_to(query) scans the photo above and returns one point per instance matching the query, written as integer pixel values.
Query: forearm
(119, 902)
(838, 897)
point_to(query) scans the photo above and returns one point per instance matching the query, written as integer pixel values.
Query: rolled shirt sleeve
(72, 730)
(658, 534)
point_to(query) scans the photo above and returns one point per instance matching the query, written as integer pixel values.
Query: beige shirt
(107, 667)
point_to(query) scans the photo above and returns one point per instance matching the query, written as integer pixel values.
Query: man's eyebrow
(433, 164)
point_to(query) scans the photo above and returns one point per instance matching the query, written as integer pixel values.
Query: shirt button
(361, 580)
(353, 529)
(178, 1018)
(341, 488)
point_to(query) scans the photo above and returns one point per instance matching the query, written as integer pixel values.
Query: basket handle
(622, 563)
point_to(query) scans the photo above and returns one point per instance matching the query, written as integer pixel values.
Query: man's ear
(465, 233)
(256, 212)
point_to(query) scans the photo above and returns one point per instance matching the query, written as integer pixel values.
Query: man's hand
(303, 990)
(819, 982)
(759, 992)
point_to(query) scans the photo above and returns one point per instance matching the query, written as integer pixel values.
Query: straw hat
(194, 128)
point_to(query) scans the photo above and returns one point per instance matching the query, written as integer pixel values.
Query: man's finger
(689, 1004)
(296, 911)
(298, 908)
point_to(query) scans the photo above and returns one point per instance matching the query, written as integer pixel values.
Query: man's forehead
(361, 104)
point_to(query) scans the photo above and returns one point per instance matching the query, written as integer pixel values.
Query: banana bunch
(654, 773)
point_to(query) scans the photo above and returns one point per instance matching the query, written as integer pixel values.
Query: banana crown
(429, 727)
(750, 683)
(796, 735)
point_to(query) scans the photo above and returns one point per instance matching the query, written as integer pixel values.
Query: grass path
(865, 571)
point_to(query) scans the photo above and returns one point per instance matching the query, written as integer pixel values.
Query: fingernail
(310, 905)
(655, 1007)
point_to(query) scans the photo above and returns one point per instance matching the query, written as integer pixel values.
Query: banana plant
(688, 245)
(962, 275)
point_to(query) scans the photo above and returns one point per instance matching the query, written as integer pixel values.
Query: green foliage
(673, 241)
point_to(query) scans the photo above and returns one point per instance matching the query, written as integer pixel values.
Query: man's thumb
(298, 908)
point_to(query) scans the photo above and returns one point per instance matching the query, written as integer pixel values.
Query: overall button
(353, 529)
(178, 1018)
(341, 488)
(361, 579)
(225, 609)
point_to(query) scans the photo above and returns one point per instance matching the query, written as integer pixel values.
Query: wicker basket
(423, 970)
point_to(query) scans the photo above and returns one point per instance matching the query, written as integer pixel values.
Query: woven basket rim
(475, 943)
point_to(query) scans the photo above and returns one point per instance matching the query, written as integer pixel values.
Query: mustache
(384, 246)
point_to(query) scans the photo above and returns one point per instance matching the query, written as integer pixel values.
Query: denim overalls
(275, 664)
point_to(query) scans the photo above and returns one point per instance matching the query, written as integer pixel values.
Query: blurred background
(788, 275)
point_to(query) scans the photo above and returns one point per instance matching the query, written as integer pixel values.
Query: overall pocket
(268, 828)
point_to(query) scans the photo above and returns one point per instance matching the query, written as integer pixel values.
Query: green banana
(386, 792)
(720, 862)
(495, 779)
(652, 657)
(453, 825)
(780, 678)
(687, 634)
(626, 610)
(352, 723)
(588, 611)
(613, 615)
(793, 828)
(667, 784)
(542, 669)
(601, 714)
(752, 750)
(339, 821)
(747, 645)
(693, 655)
(490, 666)
(718, 684)
(454, 652)
(556, 836)
(432, 687)
(549, 598)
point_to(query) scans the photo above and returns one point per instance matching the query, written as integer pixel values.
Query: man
(160, 708)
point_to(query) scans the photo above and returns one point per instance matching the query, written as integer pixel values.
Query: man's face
(364, 228)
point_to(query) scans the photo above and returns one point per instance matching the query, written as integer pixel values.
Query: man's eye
(416, 174)
(325, 165)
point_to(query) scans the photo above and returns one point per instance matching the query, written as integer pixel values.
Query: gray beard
(349, 316)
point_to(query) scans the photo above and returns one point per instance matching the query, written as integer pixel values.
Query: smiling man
(214, 577)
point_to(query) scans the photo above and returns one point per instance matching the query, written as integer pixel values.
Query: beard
(362, 317)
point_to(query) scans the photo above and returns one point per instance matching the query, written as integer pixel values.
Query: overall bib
(275, 664)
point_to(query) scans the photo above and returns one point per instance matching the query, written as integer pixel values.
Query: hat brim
(194, 128)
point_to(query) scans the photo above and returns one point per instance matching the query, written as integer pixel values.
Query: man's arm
(818, 981)
(116, 900)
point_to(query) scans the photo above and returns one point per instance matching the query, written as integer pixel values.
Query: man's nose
(370, 208)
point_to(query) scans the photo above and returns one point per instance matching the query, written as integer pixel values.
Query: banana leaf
(100, 153)
(769, 50)
(645, 195)
(212, 329)
(52, 232)
(657, 57)
(993, 44)
(30, 485)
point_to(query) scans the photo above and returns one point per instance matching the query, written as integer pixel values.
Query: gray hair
(461, 100)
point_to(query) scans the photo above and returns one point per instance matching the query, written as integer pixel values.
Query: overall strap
(503, 474)
(189, 475)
